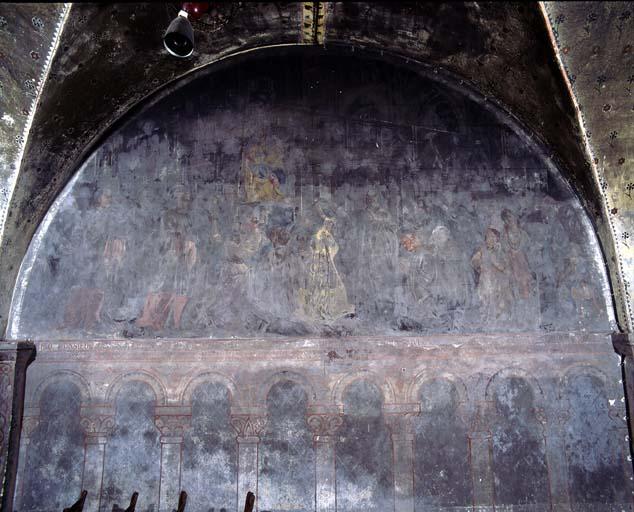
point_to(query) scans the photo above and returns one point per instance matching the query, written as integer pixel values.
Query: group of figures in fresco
(256, 258)
(244, 225)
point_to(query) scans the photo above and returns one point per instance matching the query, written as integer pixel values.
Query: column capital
(29, 425)
(249, 425)
(480, 428)
(324, 425)
(172, 422)
(398, 419)
(97, 422)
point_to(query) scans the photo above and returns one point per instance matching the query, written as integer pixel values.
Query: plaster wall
(442, 422)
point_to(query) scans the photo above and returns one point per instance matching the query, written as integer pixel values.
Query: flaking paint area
(322, 196)
(55, 457)
(591, 443)
(133, 449)
(364, 452)
(209, 451)
(287, 461)
(440, 432)
(519, 451)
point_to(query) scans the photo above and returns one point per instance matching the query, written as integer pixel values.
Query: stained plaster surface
(548, 426)
(269, 200)
(519, 422)
(492, 46)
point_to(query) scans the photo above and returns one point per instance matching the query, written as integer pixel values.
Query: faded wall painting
(312, 196)
(441, 448)
(209, 450)
(286, 479)
(595, 455)
(519, 450)
(134, 449)
(364, 475)
(55, 457)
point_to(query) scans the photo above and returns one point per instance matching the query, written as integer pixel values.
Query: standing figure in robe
(111, 275)
(492, 277)
(325, 297)
(514, 239)
(178, 258)
(444, 275)
(84, 305)
(379, 262)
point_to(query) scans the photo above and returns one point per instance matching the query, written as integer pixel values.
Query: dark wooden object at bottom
(131, 507)
(182, 501)
(78, 506)
(250, 502)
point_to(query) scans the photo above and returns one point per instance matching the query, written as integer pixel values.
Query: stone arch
(441, 442)
(287, 454)
(517, 425)
(134, 398)
(61, 375)
(139, 376)
(210, 458)
(580, 369)
(364, 451)
(590, 370)
(517, 372)
(54, 458)
(594, 438)
(415, 385)
(302, 380)
(185, 395)
(384, 385)
(21, 324)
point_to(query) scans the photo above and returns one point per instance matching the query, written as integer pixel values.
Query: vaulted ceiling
(69, 72)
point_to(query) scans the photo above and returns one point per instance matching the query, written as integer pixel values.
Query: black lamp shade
(179, 37)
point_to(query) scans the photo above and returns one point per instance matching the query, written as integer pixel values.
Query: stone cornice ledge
(333, 348)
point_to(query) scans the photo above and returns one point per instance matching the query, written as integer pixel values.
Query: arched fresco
(209, 450)
(519, 451)
(286, 474)
(595, 457)
(364, 474)
(441, 448)
(324, 196)
(134, 450)
(55, 456)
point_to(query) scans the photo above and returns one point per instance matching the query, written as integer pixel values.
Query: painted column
(553, 424)
(324, 422)
(172, 422)
(249, 424)
(480, 446)
(97, 423)
(399, 418)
